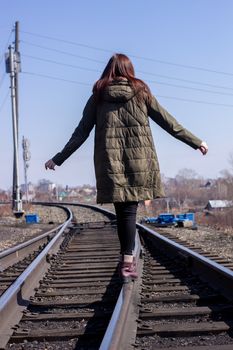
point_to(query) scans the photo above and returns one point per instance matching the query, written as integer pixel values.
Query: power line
(6, 46)
(4, 100)
(195, 101)
(187, 81)
(183, 65)
(66, 41)
(2, 80)
(56, 78)
(61, 63)
(190, 88)
(150, 81)
(142, 72)
(162, 96)
(132, 55)
(63, 52)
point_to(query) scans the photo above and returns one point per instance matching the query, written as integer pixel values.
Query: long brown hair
(119, 66)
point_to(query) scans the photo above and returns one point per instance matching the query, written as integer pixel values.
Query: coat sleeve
(80, 134)
(160, 116)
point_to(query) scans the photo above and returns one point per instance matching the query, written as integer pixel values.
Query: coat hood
(118, 91)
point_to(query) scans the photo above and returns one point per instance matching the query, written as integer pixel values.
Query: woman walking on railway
(126, 164)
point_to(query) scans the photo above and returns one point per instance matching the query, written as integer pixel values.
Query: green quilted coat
(126, 163)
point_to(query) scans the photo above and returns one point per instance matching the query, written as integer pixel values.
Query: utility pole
(26, 158)
(17, 105)
(12, 66)
(17, 71)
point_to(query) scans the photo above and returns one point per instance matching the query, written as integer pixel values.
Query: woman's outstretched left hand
(203, 148)
(50, 165)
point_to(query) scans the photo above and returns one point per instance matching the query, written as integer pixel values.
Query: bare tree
(230, 160)
(227, 176)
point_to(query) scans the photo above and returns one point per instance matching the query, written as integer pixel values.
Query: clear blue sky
(164, 39)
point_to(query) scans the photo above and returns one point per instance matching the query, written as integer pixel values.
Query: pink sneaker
(128, 271)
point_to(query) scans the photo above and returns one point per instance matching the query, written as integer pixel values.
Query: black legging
(126, 225)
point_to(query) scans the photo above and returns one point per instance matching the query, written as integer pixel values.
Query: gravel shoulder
(208, 239)
(15, 231)
(83, 215)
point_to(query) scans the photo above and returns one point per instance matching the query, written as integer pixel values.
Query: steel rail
(216, 274)
(13, 255)
(16, 297)
(123, 320)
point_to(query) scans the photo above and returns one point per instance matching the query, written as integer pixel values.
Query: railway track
(182, 299)
(186, 299)
(77, 296)
(19, 277)
(75, 300)
(227, 262)
(14, 261)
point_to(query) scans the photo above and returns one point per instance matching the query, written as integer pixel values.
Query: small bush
(222, 219)
(5, 210)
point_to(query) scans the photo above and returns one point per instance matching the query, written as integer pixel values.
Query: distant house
(73, 193)
(31, 193)
(45, 186)
(219, 204)
(62, 195)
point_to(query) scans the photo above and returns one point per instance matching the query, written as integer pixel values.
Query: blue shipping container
(186, 216)
(166, 218)
(32, 218)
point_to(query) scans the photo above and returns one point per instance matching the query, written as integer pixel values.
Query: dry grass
(218, 219)
(5, 210)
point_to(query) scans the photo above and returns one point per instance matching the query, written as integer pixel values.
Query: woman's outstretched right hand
(50, 165)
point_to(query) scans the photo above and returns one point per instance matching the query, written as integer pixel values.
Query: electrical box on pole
(13, 65)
